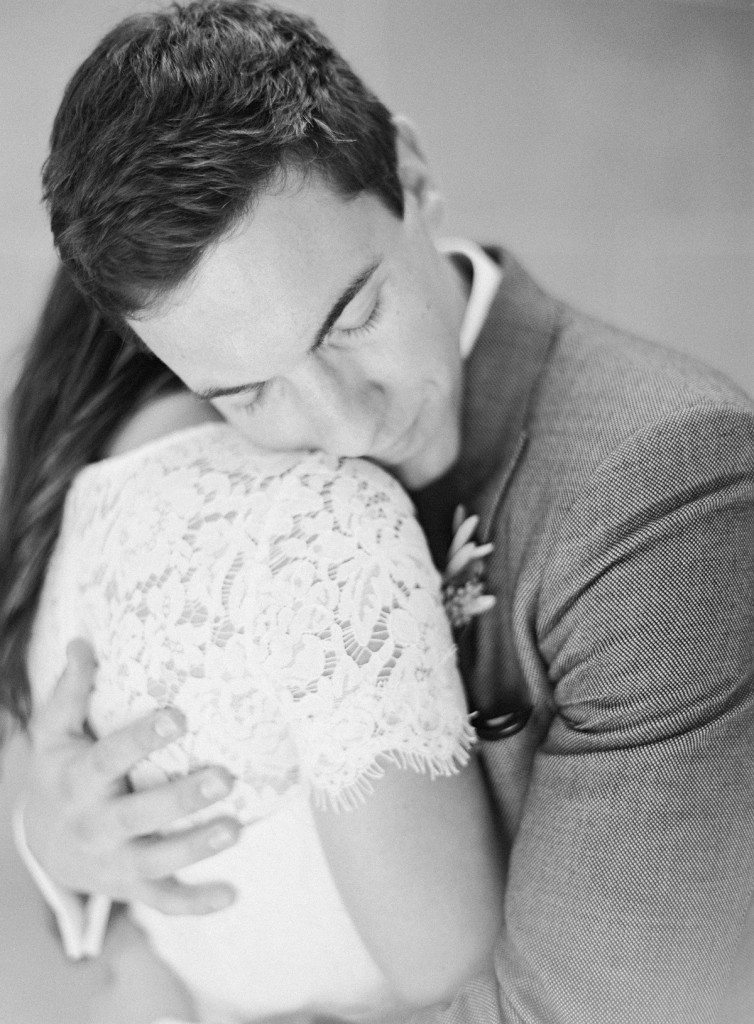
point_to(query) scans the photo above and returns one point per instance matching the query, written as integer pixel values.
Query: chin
(426, 467)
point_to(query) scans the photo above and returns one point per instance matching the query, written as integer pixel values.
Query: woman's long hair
(80, 380)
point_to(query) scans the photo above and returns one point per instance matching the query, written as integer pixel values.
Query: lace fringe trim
(354, 795)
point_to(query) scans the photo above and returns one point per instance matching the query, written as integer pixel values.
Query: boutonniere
(463, 580)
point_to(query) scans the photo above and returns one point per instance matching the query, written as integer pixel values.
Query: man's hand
(89, 833)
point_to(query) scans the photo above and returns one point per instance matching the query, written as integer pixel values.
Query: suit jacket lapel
(500, 383)
(501, 380)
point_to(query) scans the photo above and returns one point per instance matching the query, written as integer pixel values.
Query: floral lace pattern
(286, 603)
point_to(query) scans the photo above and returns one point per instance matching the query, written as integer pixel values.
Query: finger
(152, 810)
(111, 757)
(65, 710)
(157, 857)
(172, 897)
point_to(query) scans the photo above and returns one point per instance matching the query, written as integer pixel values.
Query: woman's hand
(89, 833)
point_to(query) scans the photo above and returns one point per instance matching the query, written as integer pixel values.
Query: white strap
(82, 920)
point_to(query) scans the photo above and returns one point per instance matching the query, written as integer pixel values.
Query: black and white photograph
(377, 512)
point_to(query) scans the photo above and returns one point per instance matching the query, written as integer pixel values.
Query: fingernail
(214, 786)
(220, 837)
(221, 900)
(166, 725)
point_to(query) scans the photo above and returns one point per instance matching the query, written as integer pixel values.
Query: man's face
(325, 323)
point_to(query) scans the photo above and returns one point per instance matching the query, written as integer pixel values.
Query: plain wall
(607, 142)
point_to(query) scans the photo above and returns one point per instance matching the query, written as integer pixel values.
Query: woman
(288, 605)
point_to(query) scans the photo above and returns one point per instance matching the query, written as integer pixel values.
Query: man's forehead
(258, 297)
(206, 329)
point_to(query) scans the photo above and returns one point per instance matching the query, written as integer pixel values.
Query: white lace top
(288, 605)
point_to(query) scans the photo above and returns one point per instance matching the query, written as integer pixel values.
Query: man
(223, 185)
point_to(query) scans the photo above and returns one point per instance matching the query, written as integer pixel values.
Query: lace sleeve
(367, 663)
(287, 604)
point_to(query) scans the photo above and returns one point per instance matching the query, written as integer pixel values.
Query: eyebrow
(346, 296)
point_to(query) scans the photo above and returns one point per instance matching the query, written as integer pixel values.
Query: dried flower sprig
(463, 579)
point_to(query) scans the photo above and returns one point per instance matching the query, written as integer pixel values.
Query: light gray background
(608, 142)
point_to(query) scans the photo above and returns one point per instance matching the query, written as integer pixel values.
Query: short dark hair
(178, 119)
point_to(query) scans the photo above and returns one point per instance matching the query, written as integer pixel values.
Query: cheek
(269, 430)
(424, 321)
(408, 331)
(430, 349)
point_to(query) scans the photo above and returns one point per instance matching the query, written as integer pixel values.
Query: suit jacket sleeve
(631, 873)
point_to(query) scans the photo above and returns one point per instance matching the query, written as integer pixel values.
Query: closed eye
(367, 324)
(255, 399)
(260, 391)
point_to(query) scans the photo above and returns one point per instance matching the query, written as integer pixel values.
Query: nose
(342, 405)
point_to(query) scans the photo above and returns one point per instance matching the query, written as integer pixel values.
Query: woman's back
(287, 604)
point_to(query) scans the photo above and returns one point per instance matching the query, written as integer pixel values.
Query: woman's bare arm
(418, 868)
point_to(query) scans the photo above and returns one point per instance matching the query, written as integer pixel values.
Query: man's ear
(415, 175)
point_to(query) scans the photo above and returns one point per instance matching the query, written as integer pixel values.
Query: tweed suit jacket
(616, 481)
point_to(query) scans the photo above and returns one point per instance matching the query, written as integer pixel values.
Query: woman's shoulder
(158, 418)
(177, 443)
(171, 434)
(173, 427)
